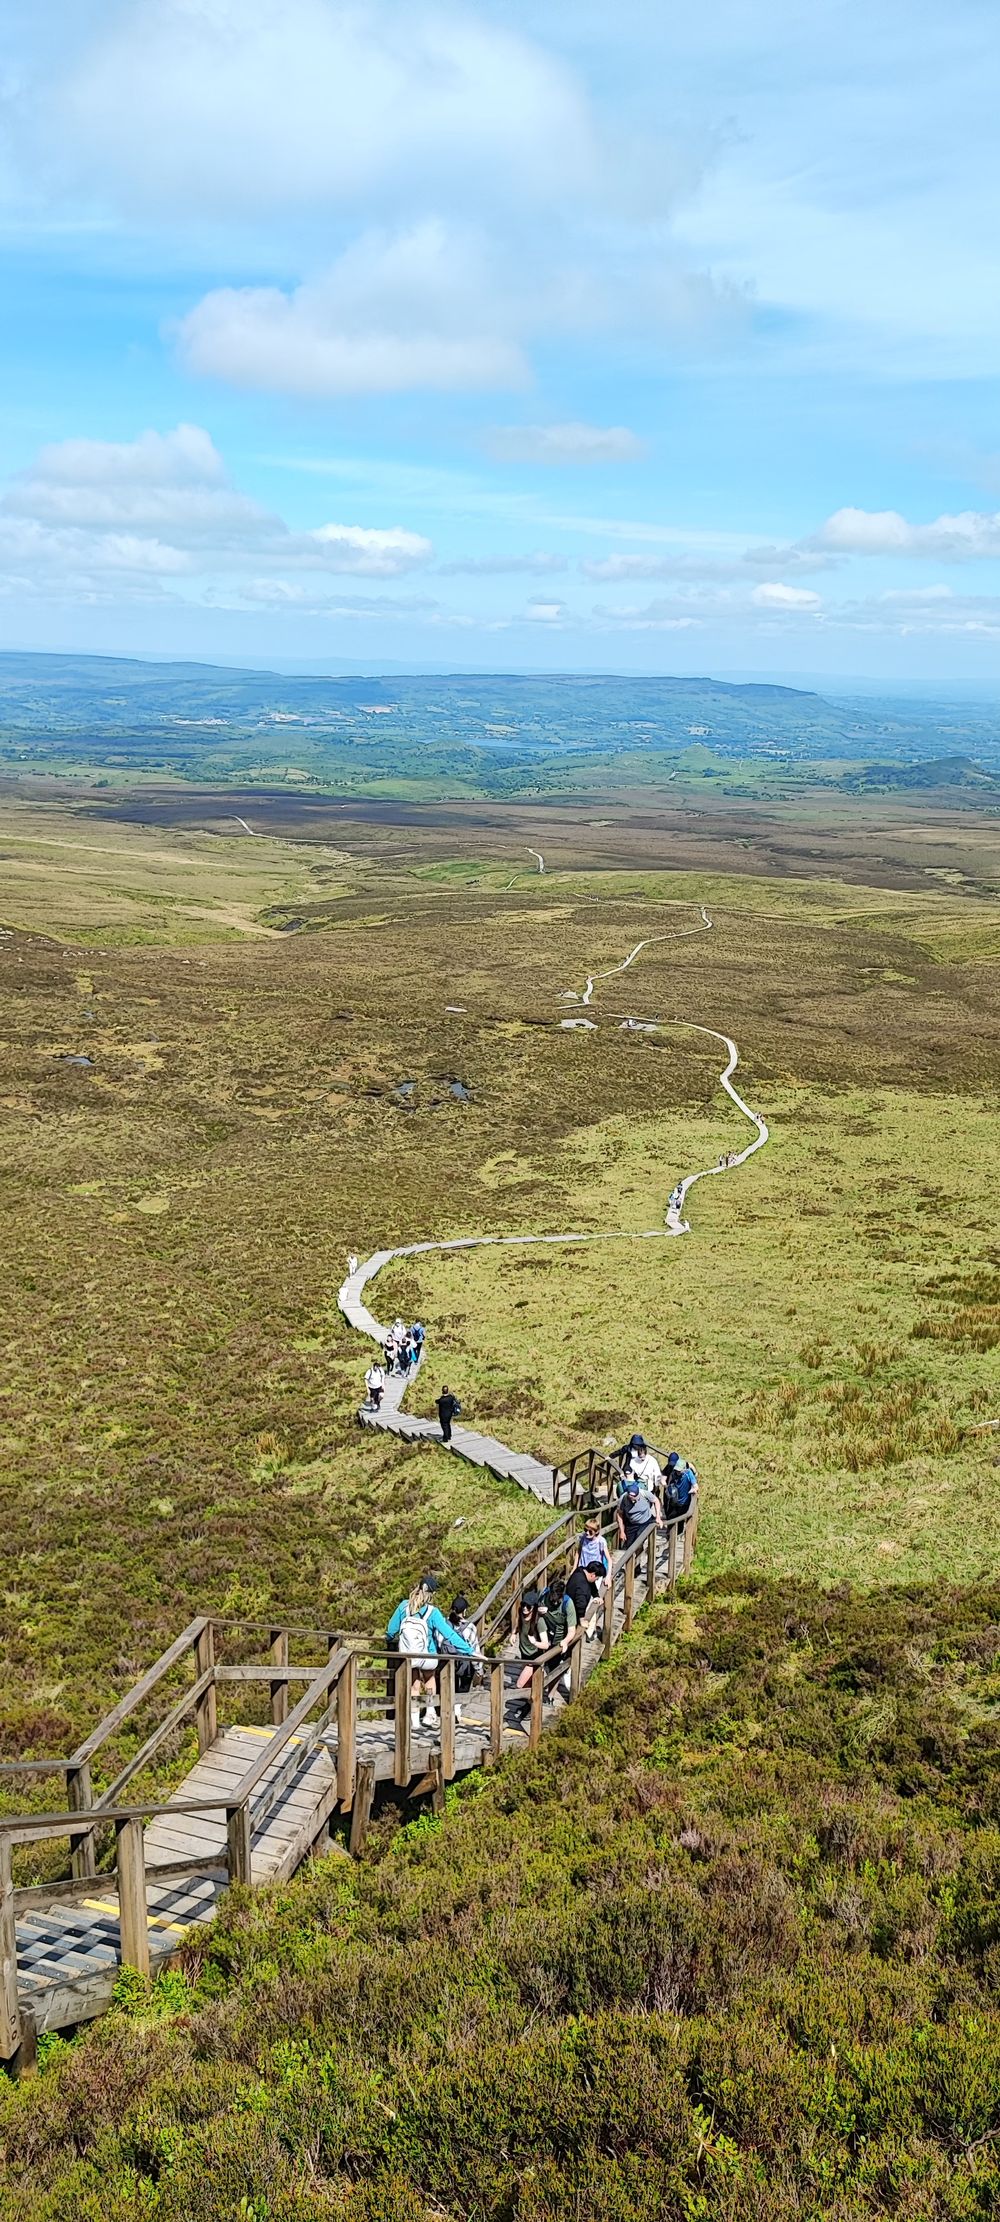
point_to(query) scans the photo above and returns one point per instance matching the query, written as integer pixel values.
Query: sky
(508, 336)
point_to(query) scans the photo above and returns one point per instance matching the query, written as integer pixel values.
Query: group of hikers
(551, 1618)
(401, 1354)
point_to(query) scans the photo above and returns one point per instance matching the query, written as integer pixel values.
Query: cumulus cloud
(564, 444)
(163, 505)
(174, 480)
(396, 311)
(884, 532)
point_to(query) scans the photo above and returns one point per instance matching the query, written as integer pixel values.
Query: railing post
(446, 1702)
(362, 1807)
(576, 1664)
(206, 1711)
(279, 1690)
(496, 1708)
(347, 1715)
(651, 1566)
(537, 1703)
(238, 1850)
(672, 1556)
(629, 1595)
(608, 1624)
(132, 1922)
(80, 1799)
(402, 1769)
(11, 2028)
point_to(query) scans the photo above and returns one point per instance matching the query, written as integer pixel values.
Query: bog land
(234, 1025)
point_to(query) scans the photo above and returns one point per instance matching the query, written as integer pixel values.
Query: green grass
(801, 1344)
(725, 1948)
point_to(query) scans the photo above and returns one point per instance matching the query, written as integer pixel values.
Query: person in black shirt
(582, 1588)
(448, 1409)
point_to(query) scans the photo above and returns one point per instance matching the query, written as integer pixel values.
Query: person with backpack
(375, 1384)
(638, 1511)
(418, 1337)
(466, 1673)
(560, 1619)
(448, 1409)
(423, 1635)
(532, 1643)
(680, 1488)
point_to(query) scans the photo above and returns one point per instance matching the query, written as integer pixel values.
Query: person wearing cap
(639, 1464)
(638, 1511)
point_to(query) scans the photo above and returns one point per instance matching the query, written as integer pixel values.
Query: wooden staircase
(259, 1796)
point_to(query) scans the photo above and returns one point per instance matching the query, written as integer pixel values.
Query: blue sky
(504, 336)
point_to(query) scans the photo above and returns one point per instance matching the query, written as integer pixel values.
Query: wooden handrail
(178, 1713)
(136, 1697)
(324, 1679)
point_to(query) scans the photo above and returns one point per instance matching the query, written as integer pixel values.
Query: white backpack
(414, 1636)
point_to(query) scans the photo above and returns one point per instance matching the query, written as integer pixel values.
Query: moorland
(742, 1961)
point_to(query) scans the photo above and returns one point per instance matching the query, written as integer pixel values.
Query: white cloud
(546, 613)
(884, 532)
(775, 595)
(564, 444)
(241, 108)
(539, 565)
(175, 480)
(370, 551)
(397, 311)
(163, 505)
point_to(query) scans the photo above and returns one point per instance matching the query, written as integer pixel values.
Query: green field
(177, 1422)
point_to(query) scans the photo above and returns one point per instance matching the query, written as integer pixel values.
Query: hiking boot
(430, 1717)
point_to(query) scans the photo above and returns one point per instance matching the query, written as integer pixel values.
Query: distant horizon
(836, 685)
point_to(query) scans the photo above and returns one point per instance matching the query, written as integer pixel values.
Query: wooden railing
(355, 1682)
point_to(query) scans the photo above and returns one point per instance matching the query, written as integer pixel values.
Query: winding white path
(675, 933)
(486, 1450)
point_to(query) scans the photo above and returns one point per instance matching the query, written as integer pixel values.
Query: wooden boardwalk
(259, 1797)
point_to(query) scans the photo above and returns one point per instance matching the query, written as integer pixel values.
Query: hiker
(560, 1619)
(422, 1634)
(583, 1588)
(676, 1199)
(418, 1337)
(403, 1352)
(375, 1384)
(412, 1352)
(638, 1511)
(467, 1674)
(389, 1352)
(680, 1487)
(639, 1464)
(593, 1549)
(352, 1265)
(448, 1409)
(532, 1642)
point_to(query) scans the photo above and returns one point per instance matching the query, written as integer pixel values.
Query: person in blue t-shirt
(422, 1633)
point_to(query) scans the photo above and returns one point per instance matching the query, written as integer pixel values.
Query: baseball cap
(638, 1442)
(431, 1582)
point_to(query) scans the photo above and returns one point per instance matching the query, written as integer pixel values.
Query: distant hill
(188, 715)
